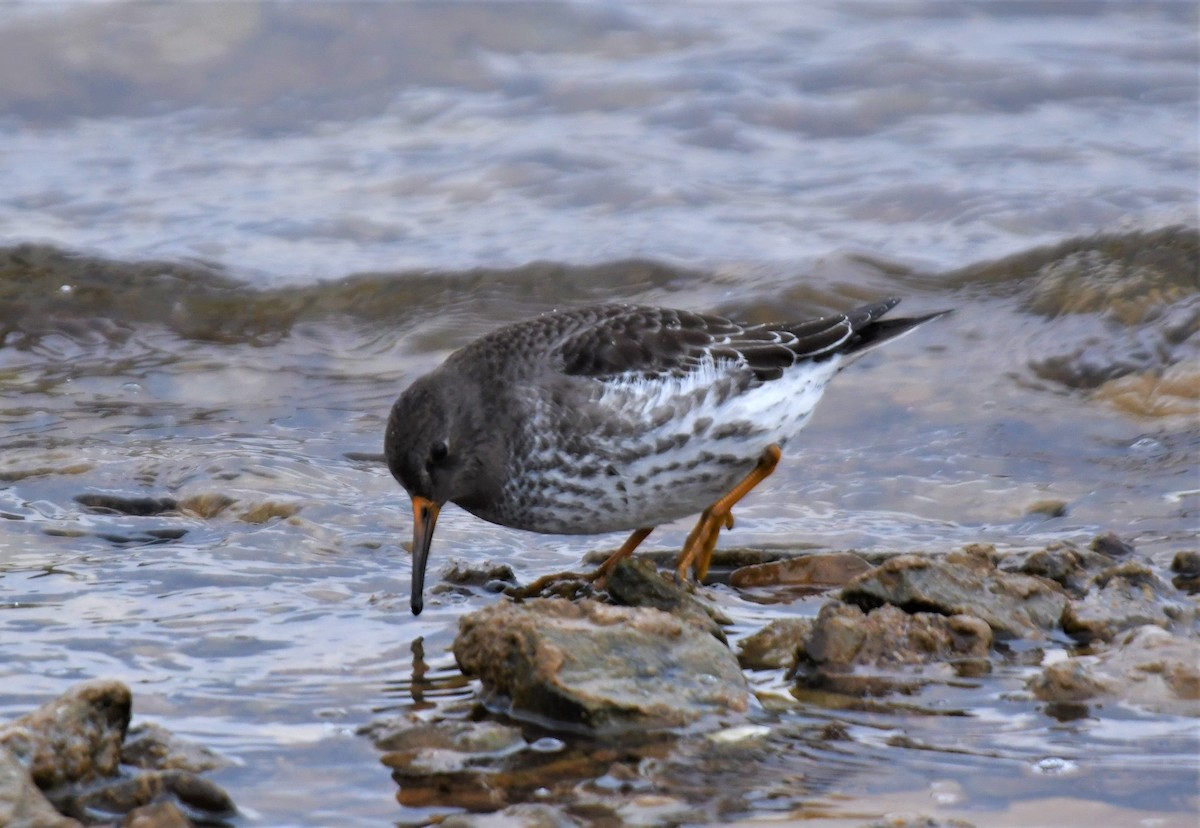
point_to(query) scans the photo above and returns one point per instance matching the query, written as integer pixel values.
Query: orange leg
(697, 551)
(630, 544)
(601, 572)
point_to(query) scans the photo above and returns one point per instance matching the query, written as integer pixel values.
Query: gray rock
(152, 746)
(22, 804)
(1123, 597)
(599, 666)
(638, 583)
(966, 583)
(775, 645)
(1147, 666)
(524, 815)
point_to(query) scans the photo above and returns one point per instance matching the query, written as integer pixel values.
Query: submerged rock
(599, 666)
(965, 583)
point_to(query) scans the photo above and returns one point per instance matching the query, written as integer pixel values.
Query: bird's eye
(439, 451)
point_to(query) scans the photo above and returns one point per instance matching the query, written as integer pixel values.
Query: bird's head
(432, 448)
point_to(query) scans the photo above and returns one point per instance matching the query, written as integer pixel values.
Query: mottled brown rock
(22, 804)
(966, 583)
(152, 746)
(775, 645)
(125, 794)
(1047, 508)
(74, 738)
(156, 815)
(599, 666)
(1186, 566)
(844, 635)
(832, 569)
(1065, 681)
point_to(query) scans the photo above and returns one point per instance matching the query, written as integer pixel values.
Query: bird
(616, 417)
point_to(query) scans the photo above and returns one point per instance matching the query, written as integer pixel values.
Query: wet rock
(1061, 563)
(1147, 666)
(205, 505)
(71, 749)
(74, 738)
(916, 821)
(1123, 597)
(1110, 545)
(824, 570)
(198, 798)
(268, 511)
(1186, 566)
(1047, 508)
(524, 815)
(121, 505)
(966, 583)
(480, 766)
(486, 573)
(599, 666)
(1065, 681)
(152, 746)
(843, 637)
(156, 815)
(22, 804)
(638, 583)
(775, 645)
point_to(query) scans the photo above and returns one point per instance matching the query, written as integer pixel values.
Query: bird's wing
(624, 341)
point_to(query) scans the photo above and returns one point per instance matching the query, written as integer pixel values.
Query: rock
(72, 748)
(826, 570)
(74, 738)
(197, 797)
(1065, 682)
(152, 746)
(965, 583)
(1047, 508)
(600, 666)
(523, 815)
(156, 815)
(637, 583)
(486, 573)
(1147, 666)
(22, 804)
(775, 645)
(1110, 545)
(1127, 596)
(843, 638)
(1186, 565)
(1063, 564)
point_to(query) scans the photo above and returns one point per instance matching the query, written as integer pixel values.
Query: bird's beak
(425, 514)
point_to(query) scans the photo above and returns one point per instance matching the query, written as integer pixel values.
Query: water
(340, 194)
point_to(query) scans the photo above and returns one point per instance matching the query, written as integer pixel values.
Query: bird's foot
(540, 585)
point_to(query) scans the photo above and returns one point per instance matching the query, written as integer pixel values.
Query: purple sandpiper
(616, 417)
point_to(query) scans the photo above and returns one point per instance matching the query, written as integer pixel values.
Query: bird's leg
(697, 551)
(631, 543)
(601, 572)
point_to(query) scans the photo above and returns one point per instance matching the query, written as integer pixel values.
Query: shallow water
(741, 154)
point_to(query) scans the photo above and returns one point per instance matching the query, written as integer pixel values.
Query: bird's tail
(869, 331)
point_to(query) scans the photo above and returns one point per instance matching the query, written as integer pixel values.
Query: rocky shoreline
(594, 685)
